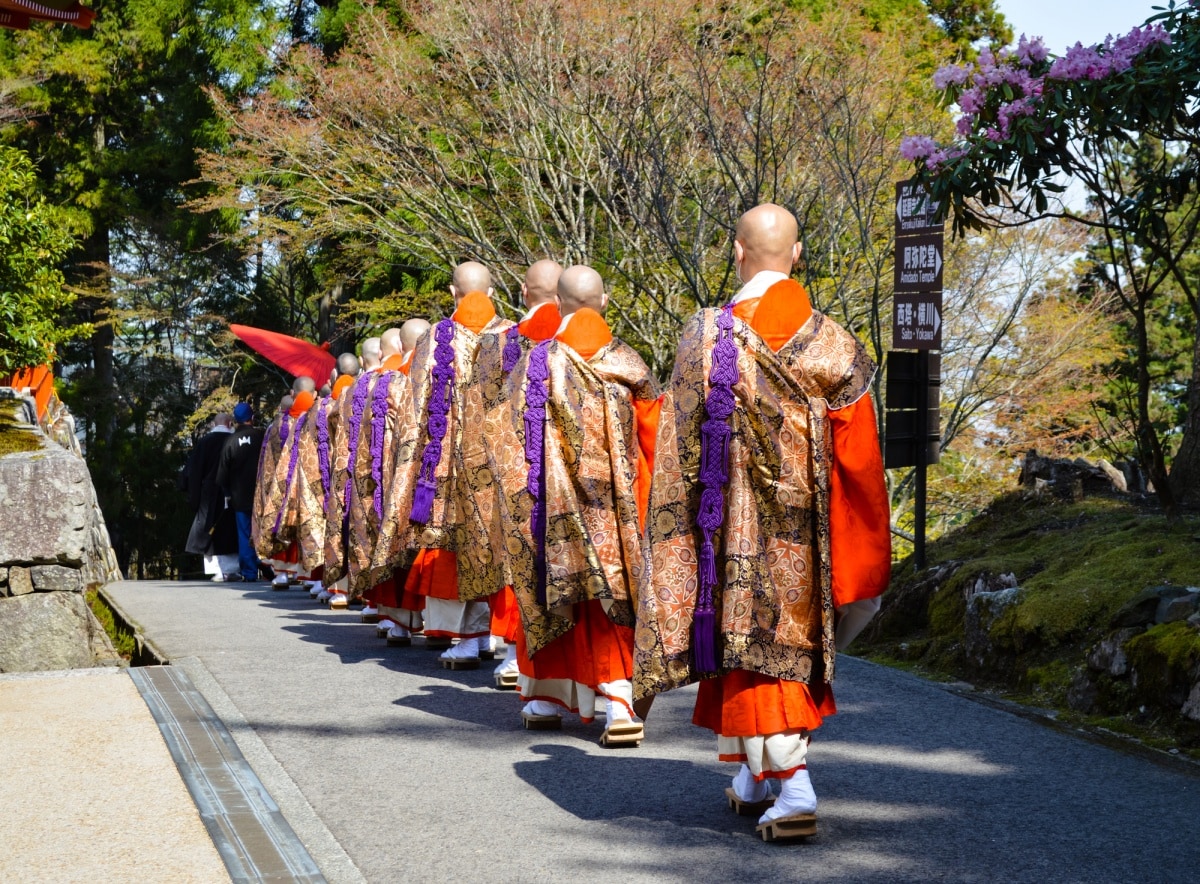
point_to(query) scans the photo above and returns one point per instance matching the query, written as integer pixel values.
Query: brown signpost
(912, 427)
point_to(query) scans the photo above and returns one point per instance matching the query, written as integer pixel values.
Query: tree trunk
(1149, 446)
(1185, 469)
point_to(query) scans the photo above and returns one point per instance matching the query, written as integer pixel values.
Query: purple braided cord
(291, 473)
(536, 393)
(323, 446)
(512, 349)
(262, 457)
(283, 428)
(379, 410)
(357, 404)
(437, 421)
(715, 434)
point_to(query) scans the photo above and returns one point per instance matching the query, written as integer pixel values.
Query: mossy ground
(15, 435)
(122, 641)
(1077, 563)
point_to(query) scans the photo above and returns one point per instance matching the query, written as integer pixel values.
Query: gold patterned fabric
(310, 489)
(335, 504)
(480, 527)
(594, 547)
(267, 494)
(397, 427)
(399, 538)
(774, 603)
(286, 525)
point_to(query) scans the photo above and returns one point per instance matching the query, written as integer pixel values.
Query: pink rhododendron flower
(915, 147)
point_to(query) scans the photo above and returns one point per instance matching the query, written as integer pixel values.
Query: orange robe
(743, 703)
(434, 572)
(596, 650)
(506, 613)
(395, 362)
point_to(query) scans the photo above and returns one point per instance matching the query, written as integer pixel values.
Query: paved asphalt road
(424, 774)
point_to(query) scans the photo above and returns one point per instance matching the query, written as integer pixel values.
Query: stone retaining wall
(53, 546)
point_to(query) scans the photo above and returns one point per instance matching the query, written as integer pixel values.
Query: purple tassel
(422, 506)
(512, 349)
(715, 434)
(704, 643)
(437, 420)
(284, 426)
(357, 404)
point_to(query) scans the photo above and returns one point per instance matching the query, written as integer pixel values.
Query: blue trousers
(247, 557)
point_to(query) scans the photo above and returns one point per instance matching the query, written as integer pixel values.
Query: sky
(1063, 22)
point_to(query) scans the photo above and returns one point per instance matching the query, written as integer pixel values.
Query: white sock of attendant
(618, 701)
(748, 789)
(541, 707)
(466, 649)
(509, 664)
(796, 796)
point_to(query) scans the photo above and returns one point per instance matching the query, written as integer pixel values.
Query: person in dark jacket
(214, 529)
(236, 477)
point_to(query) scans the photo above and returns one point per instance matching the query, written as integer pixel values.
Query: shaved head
(581, 286)
(389, 343)
(371, 355)
(347, 363)
(766, 239)
(286, 402)
(541, 283)
(412, 331)
(326, 389)
(470, 276)
(303, 383)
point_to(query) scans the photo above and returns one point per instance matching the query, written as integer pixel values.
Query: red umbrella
(17, 14)
(293, 355)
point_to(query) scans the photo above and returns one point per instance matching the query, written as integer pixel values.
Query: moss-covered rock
(1081, 568)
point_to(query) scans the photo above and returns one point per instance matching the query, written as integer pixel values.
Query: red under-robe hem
(595, 651)
(434, 574)
(506, 615)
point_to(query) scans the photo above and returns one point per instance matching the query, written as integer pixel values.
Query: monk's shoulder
(835, 360)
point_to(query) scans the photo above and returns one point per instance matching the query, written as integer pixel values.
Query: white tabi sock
(509, 663)
(614, 693)
(464, 650)
(541, 707)
(397, 631)
(747, 789)
(796, 796)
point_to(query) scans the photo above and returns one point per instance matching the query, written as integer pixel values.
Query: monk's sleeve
(646, 411)
(859, 513)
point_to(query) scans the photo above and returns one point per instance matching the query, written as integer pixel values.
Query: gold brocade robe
(480, 527)
(268, 496)
(399, 538)
(287, 475)
(594, 547)
(774, 595)
(310, 490)
(395, 427)
(341, 418)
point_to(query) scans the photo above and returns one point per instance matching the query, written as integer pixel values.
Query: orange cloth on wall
(744, 704)
(343, 381)
(543, 324)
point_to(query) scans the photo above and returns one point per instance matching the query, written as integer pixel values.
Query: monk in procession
(285, 529)
(270, 496)
(313, 482)
(385, 420)
(576, 455)
(399, 611)
(768, 524)
(481, 573)
(419, 511)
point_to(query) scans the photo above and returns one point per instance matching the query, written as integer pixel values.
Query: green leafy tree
(33, 293)
(1117, 119)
